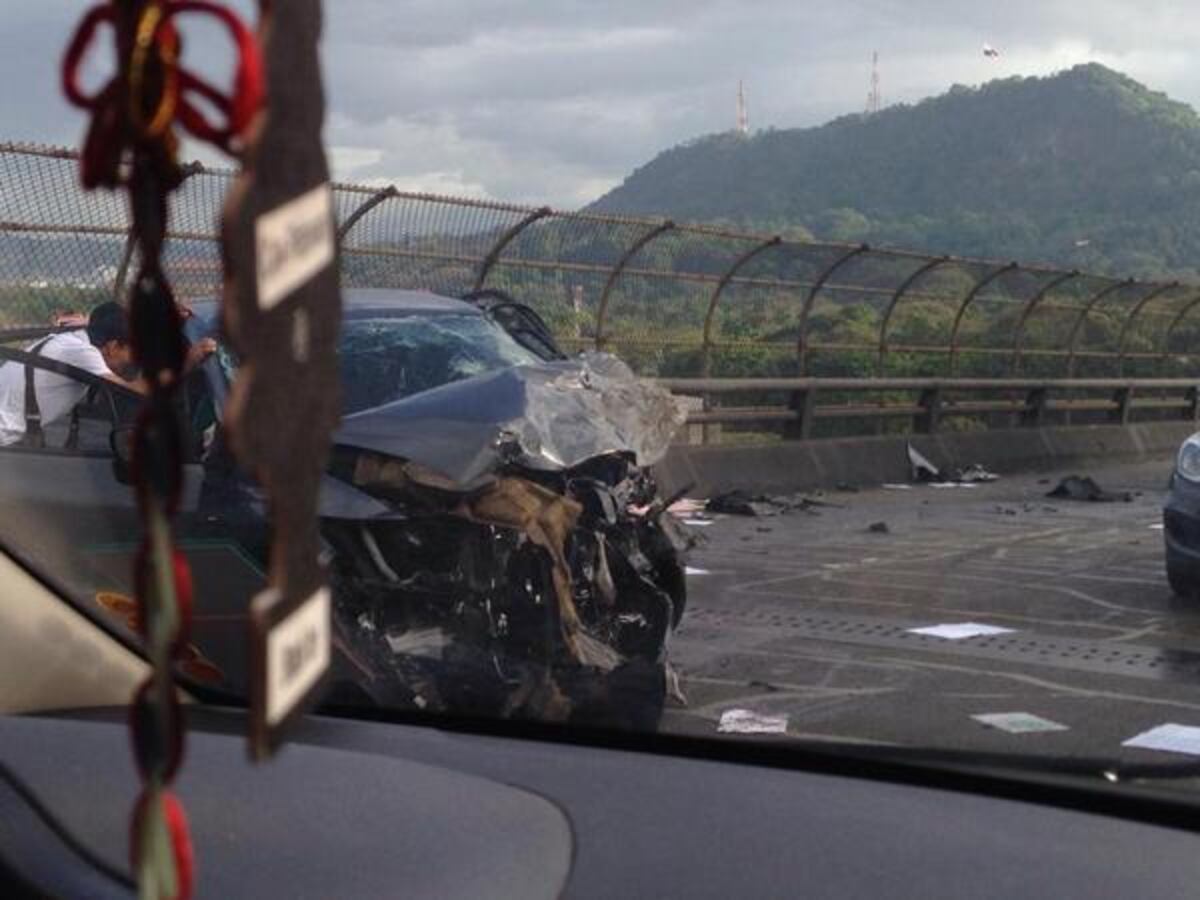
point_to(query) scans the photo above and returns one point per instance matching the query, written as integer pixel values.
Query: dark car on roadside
(491, 527)
(1181, 521)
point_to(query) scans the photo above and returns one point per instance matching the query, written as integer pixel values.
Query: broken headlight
(1188, 462)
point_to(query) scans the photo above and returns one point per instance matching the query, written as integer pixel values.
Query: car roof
(359, 302)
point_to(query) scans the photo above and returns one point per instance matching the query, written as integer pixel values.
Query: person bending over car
(32, 398)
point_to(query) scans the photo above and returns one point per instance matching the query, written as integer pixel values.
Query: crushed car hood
(550, 417)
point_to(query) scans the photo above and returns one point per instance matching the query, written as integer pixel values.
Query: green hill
(1086, 168)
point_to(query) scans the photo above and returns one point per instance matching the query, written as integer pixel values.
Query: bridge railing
(928, 405)
(673, 299)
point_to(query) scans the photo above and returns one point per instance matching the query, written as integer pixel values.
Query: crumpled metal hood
(553, 416)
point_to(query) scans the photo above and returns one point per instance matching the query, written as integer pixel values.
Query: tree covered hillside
(1086, 168)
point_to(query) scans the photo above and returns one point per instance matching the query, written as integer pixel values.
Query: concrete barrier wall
(808, 465)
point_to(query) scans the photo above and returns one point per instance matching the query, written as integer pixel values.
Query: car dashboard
(369, 808)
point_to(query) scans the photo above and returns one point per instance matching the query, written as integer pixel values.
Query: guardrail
(928, 402)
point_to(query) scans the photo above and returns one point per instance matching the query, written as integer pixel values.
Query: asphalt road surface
(807, 615)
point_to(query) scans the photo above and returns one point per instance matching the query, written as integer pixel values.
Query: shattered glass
(387, 359)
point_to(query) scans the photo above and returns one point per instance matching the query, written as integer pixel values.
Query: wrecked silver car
(495, 539)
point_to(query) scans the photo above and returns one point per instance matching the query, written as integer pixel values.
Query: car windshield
(387, 358)
(870, 424)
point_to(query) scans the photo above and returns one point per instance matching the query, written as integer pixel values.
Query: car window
(388, 358)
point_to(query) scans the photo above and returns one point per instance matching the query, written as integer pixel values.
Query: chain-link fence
(673, 299)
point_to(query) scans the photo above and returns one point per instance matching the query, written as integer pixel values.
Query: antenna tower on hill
(743, 118)
(874, 100)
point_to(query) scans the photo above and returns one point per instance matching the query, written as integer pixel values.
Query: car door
(68, 507)
(61, 499)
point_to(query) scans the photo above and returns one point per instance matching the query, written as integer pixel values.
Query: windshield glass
(389, 358)
(871, 424)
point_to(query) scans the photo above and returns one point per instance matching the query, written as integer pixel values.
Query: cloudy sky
(557, 101)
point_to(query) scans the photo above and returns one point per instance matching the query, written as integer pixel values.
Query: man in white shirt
(101, 349)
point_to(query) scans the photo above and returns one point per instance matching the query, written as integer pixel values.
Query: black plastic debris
(845, 488)
(763, 685)
(1085, 488)
(743, 503)
(879, 528)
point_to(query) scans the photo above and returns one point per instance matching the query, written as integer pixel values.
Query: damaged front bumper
(532, 572)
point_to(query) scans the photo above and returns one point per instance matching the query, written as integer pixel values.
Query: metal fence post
(1035, 408)
(362, 209)
(1028, 310)
(1077, 325)
(895, 301)
(967, 301)
(504, 240)
(804, 405)
(1133, 314)
(1122, 397)
(928, 421)
(1175, 323)
(811, 297)
(611, 281)
(710, 316)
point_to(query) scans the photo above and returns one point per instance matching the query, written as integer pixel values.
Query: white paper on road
(960, 630)
(688, 570)
(1171, 737)
(897, 487)
(1157, 526)
(969, 486)
(744, 721)
(1018, 722)
(698, 521)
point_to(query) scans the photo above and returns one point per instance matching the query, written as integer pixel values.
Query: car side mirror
(120, 441)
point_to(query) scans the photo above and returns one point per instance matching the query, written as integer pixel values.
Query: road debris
(744, 721)
(845, 488)
(897, 487)
(690, 570)
(960, 630)
(1018, 722)
(763, 685)
(686, 507)
(879, 528)
(1170, 737)
(1083, 487)
(744, 503)
(921, 469)
(974, 474)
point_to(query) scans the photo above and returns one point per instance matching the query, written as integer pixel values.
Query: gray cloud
(556, 101)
